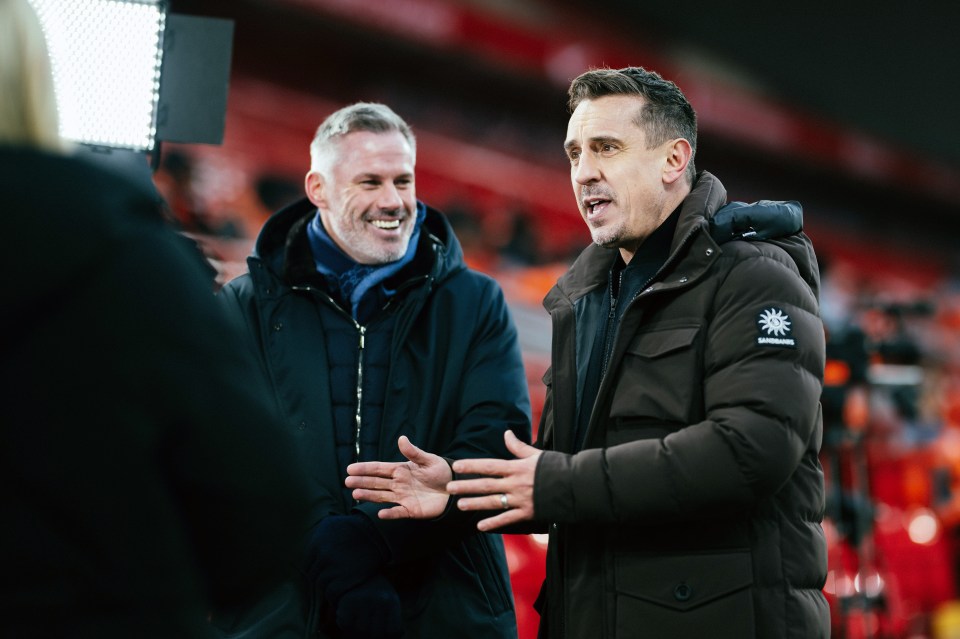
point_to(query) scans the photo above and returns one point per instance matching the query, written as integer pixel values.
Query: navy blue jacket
(454, 384)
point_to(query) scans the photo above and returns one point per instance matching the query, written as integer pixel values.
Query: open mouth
(594, 205)
(387, 225)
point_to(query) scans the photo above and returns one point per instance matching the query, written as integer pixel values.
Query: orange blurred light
(836, 373)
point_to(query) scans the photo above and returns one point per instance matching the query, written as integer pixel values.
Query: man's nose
(587, 169)
(389, 199)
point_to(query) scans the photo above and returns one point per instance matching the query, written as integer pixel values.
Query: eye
(370, 183)
(573, 155)
(403, 182)
(607, 148)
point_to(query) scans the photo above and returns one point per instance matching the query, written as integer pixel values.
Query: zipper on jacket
(362, 331)
(356, 443)
(608, 339)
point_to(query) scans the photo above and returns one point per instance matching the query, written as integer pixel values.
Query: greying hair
(666, 114)
(362, 116)
(28, 103)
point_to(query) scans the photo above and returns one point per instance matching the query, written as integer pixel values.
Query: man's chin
(391, 254)
(606, 240)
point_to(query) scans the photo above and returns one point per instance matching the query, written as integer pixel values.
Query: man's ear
(678, 157)
(315, 186)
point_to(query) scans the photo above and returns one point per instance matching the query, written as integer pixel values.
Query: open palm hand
(417, 487)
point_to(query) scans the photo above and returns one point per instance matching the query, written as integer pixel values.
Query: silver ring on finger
(503, 501)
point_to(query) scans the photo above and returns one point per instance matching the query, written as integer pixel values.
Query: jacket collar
(590, 269)
(283, 248)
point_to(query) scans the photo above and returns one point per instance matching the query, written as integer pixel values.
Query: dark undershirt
(624, 283)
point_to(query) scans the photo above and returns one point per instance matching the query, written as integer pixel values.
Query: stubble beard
(385, 254)
(372, 250)
(607, 236)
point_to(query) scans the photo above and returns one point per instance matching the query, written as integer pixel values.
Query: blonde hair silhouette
(28, 105)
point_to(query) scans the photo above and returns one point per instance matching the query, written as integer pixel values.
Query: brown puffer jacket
(694, 508)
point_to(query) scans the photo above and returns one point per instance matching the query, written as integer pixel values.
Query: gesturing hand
(508, 486)
(417, 486)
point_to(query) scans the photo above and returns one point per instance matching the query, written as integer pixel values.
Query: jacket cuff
(451, 500)
(552, 487)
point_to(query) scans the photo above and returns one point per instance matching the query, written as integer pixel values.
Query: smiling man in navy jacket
(368, 324)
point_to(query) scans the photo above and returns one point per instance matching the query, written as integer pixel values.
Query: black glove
(370, 611)
(761, 220)
(344, 551)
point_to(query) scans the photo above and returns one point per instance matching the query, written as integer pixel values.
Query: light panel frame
(106, 57)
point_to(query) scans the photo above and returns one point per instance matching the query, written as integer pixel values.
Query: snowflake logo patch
(774, 328)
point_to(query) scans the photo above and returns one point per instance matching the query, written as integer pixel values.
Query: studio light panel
(106, 57)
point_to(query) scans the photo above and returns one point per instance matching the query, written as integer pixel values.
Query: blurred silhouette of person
(178, 180)
(465, 221)
(143, 482)
(369, 324)
(521, 247)
(276, 191)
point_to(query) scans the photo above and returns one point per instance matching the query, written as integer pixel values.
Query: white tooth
(386, 224)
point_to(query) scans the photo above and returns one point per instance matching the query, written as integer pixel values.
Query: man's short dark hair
(666, 113)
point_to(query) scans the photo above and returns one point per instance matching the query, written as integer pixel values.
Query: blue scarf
(361, 285)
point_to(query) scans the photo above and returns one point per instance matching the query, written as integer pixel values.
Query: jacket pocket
(685, 596)
(660, 376)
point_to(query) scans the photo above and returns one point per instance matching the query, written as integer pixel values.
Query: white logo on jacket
(774, 326)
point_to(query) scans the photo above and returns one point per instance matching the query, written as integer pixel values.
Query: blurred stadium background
(841, 108)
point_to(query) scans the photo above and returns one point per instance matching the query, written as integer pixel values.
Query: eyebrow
(600, 139)
(378, 176)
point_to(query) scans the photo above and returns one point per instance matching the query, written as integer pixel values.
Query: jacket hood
(438, 245)
(800, 249)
